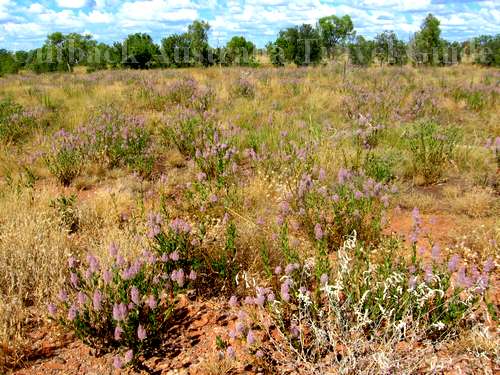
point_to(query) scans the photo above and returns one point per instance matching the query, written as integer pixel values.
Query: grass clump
(431, 148)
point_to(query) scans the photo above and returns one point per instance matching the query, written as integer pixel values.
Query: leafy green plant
(68, 214)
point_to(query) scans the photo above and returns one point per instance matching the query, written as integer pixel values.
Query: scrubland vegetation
(279, 193)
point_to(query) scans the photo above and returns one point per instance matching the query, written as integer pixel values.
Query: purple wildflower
(453, 263)
(489, 265)
(151, 302)
(250, 338)
(72, 313)
(324, 279)
(135, 295)
(106, 277)
(74, 279)
(231, 353)
(436, 253)
(81, 298)
(97, 300)
(129, 355)
(117, 362)
(271, 297)
(192, 275)
(463, 280)
(318, 232)
(63, 296)
(233, 301)
(141, 333)
(52, 309)
(428, 275)
(260, 299)
(118, 333)
(278, 270)
(412, 282)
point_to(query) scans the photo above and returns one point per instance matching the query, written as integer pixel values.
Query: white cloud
(75, 4)
(401, 5)
(36, 8)
(96, 16)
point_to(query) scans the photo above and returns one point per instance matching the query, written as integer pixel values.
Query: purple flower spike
(52, 309)
(250, 338)
(231, 352)
(135, 295)
(453, 263)
(117, 363)
(141, 333)
(72, 313)
(97, 300)
(233, 301)
(129, 355)
(63, 296)
(118, 333)
(436, 253)
(318, 232)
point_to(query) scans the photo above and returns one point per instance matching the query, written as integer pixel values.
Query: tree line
(301, 45)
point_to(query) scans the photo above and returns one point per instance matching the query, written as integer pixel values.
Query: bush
(187, 131)
(65, 161)
(15, 122)
(126, 306)
(365, 303)
(118, 141)
(244, 88)
(354, 203)
(431, 148)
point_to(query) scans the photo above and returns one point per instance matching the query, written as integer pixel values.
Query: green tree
(361, 51)
(389, 49)
(486, 50)
(275, 53)
(335, 31)
(300, 45)
(8, 63)
(175, 51)
(240, 51)
(139, 51)
(198, 43)
(61, 52)
(428, 47)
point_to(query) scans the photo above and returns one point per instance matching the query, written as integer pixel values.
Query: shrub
(431, 148)
(15, 122)
(352, 203)
(125, 306)
(119, 141)
(244, 88)
(342, 318)
(186, 132)
(65, 160)
(65, 206)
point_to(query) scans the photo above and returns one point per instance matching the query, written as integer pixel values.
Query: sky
(25, 24)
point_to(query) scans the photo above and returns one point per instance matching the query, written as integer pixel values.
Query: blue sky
(25, 24)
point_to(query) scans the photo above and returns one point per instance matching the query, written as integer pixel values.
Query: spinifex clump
(126, 305)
